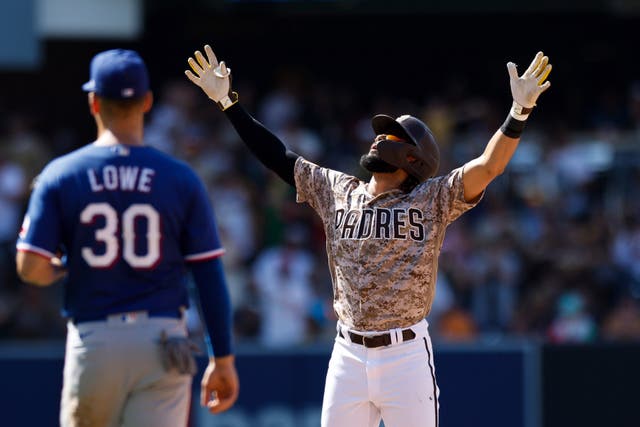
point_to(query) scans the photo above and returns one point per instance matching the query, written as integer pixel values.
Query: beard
(373, 163)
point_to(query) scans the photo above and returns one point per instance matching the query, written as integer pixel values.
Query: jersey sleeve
(200, 239)
(315, 185)
(41, 228)
(447, 193)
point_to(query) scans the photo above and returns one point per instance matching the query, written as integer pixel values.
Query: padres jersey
(127, 218)
(382, 251)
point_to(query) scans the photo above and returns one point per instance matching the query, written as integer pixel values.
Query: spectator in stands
(622, 323)
(283, 278)
(573, 322)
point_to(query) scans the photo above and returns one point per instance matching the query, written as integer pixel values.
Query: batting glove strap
(519, 112)
(228, 101)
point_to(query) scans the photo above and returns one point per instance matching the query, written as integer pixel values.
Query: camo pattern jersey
(382, 251)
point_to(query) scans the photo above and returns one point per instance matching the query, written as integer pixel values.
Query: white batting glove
(527, 88)
(212, 77)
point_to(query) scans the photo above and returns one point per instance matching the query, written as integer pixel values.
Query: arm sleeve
(215, 306)
(263, 143)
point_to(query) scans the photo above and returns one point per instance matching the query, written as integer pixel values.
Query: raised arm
(214, 78)
(525, 89)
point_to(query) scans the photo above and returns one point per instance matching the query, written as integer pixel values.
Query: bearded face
(373, 163)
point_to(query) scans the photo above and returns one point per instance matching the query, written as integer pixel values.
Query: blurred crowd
(552, 252)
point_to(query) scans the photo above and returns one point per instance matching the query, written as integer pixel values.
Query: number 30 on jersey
(107, 235)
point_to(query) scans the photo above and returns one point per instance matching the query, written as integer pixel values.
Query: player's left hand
(527, 88)
(212, 77)
(220, 385)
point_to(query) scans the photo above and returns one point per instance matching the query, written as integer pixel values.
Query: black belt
(173, 313)
(373, 341)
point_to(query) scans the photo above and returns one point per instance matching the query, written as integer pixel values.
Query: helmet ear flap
(397, 153)
(420, 167)
(425, 151)
(394, 153)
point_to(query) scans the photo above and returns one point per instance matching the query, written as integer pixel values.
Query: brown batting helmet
(421, 145)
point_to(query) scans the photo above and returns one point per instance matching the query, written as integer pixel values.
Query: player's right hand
(220, 385)
(212, 77)
(525, 89)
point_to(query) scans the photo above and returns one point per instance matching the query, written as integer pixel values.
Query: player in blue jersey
(123, 224)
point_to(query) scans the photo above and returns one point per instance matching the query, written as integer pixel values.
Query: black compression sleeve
(263, 143)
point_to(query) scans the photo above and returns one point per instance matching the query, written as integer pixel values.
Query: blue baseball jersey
(128, 219)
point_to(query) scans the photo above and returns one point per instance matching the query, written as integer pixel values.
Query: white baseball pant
(394, 383)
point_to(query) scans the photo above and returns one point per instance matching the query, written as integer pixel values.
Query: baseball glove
(178, 353)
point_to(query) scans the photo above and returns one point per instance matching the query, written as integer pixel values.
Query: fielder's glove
(525, 89)
(177, 353)
(212, 77)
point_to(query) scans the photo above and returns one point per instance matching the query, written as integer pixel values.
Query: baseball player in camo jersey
(383, 238)
(130, 222)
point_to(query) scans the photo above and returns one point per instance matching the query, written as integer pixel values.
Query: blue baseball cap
(118, 74)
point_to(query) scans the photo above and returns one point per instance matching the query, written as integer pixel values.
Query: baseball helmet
(421, 145)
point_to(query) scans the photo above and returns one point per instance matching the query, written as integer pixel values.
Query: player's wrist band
(228, 101)
(513, 127)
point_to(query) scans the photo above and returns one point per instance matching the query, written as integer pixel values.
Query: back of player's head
(420, 145)
(118, 74)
